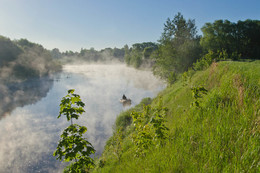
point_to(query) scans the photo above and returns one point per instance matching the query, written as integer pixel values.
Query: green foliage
(158, 123)
(123, 120)
(118, 53)
(118, 140)
(92, 56)
(24, 43)
(71, 106)
(73, 146)
(144, 45)
(23, 60)
(205, 61)
(22, 72)
(136, 59)
(171, 78)
(147, 52)
(184, 78)
(142, 139)
(197, 93)
(239, 39)
(222, 55)
(9, 51)
(140, 54)
(221, 136)
(149, 133)
(179, 47)
(145, 101)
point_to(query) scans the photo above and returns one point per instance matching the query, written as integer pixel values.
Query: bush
(205, 61)
(123, 120)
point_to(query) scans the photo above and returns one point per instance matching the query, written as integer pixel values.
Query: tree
(127, 56)
(55, 53)
(118, 53)
(150, 128)
(136, 58)
(236, 39)
(178, 30)
(9, 51)
(72, 145)
(25, 59)
(219, 36)
(179, 47)
(147, 52)
(140, 53)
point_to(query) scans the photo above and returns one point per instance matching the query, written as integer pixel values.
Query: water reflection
(19, 94)
(29, 136)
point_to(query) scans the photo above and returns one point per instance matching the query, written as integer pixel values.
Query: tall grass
(222, 135)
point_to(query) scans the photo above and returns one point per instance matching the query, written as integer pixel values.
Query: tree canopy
(140, 54)
(23, 59)
(179, 47)
(241, 38)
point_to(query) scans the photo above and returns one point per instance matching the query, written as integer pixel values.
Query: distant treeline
(21, 59)
(181, 48)
(139, 54)
(90, 55)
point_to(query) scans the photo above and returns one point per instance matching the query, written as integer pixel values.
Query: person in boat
(124, 97)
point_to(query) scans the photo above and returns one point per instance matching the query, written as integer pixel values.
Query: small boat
(125, 101)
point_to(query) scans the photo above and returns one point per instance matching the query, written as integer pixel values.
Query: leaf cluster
(149, 133)
(179, 48)
(158, 122)
(71, 106)
(73, 146)
(197, 93)
(239, 39)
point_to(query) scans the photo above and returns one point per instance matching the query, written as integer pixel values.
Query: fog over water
(29, 134)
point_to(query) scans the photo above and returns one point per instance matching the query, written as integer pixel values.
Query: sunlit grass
(223, 135)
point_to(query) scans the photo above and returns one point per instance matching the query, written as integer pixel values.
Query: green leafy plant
(118, 144)
(73, 146)
(142, 139)
(185, 78)
(197, 93)
(204, 62)
(149, 133)
(158, 122)
(172, 77)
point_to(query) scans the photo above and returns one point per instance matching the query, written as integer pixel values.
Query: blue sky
(76, 24)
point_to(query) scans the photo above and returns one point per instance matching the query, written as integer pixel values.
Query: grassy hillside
(220, 134)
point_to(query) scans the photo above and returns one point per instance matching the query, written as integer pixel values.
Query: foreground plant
(72, 146)
(197, 93)
(150, 133)
(159, 123)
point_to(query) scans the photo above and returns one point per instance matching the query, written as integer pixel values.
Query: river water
(29, 128)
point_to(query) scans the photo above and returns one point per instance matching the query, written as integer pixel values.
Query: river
(29, 128)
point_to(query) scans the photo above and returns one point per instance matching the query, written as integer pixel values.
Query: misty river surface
(29, 128)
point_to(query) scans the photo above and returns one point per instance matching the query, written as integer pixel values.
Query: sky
(76, 24)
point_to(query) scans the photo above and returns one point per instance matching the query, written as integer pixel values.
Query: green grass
(223, 135)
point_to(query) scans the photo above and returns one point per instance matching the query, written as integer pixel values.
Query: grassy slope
(221, 136)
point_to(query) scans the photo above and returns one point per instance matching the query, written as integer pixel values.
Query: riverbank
(219, 133)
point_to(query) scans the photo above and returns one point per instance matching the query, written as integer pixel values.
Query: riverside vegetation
(206, 120)
(208, 117)
(219, 133)
(21, 60)
(72, 145)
